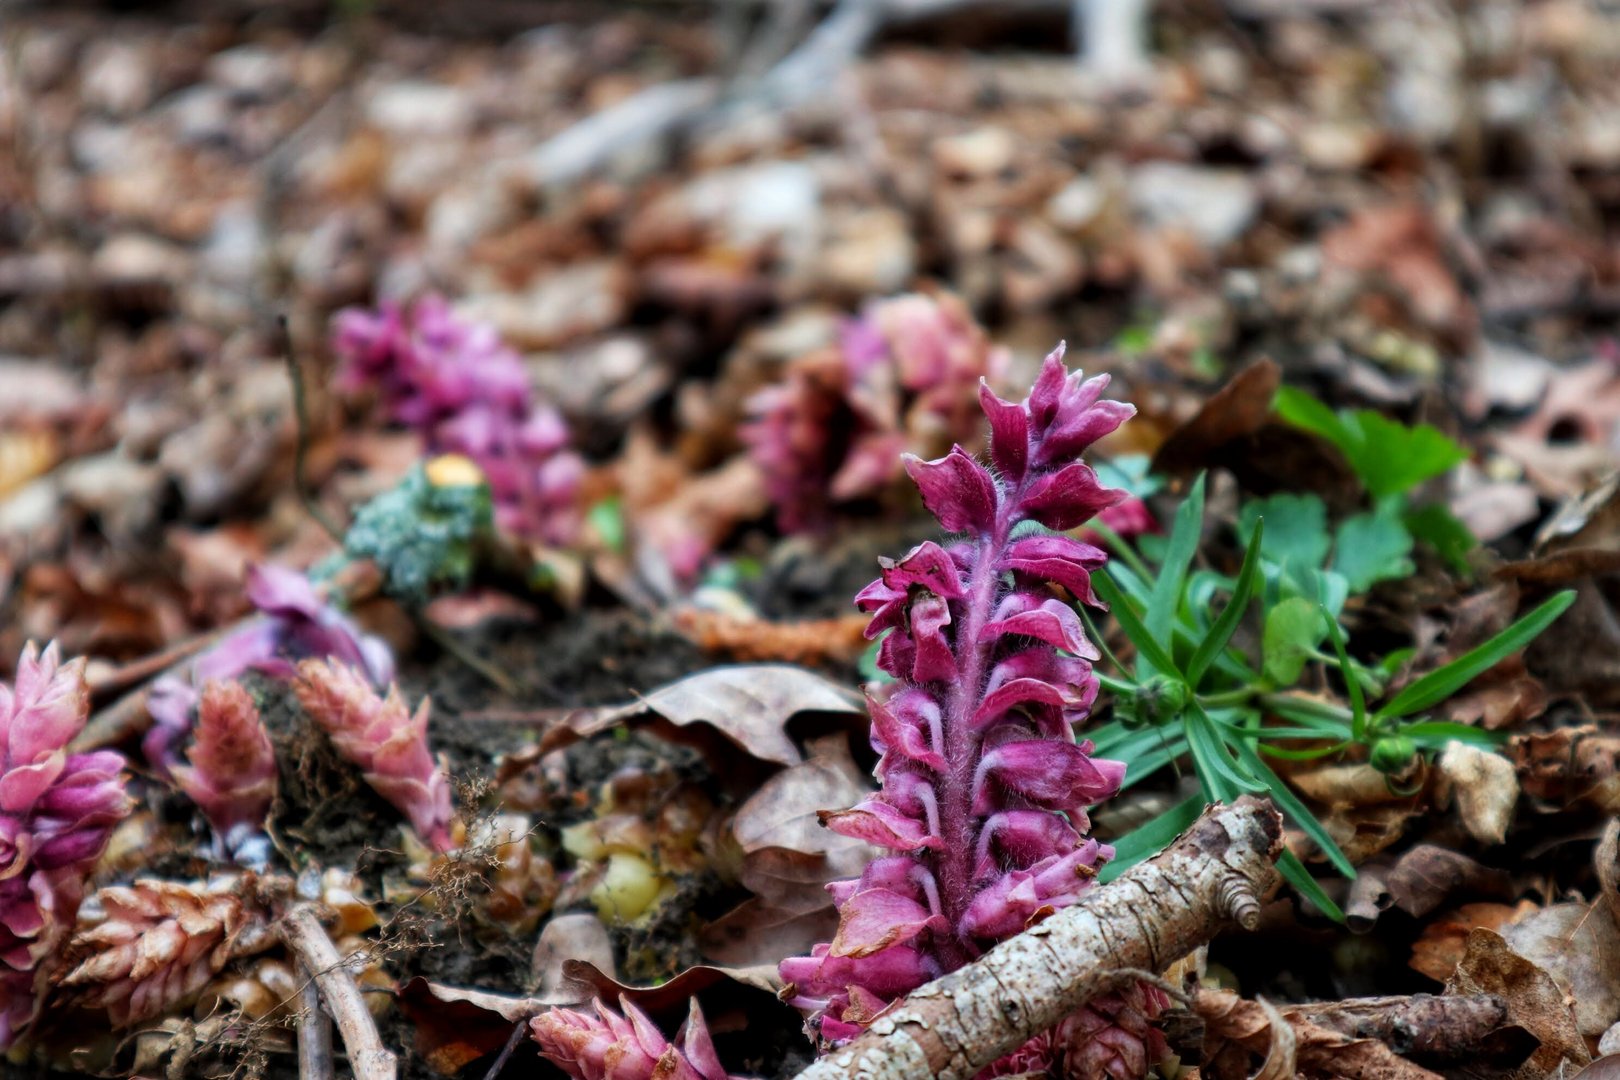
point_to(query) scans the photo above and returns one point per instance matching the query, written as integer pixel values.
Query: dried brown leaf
(1532, 996)
(749, 704)
(1579, 945)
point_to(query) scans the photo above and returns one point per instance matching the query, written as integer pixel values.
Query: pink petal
(956, 489)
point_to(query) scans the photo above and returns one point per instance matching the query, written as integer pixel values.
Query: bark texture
(1215, 874)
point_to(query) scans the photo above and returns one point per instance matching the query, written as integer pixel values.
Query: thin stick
(301, 444)
(314, 1034)
(306, 939)
(1213, 876)
(521, 1029)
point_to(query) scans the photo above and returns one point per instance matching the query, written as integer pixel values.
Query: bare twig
(314, 1034)
(306, 939)
(306, 495)
(518, 1032)
(1213, 876)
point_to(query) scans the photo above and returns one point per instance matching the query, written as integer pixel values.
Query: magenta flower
(467, 393)
(609, 1046)
(384, 739)
(294, 623)
(232, 771)
(902, 379)
(56, 812)
(984, 788)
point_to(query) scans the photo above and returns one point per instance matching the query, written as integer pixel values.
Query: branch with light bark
(1212, 877)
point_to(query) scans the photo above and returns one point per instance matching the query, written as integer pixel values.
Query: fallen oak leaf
(1578, 944)
(1418, 882)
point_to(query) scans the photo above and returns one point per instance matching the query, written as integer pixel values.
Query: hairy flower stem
(956, 819)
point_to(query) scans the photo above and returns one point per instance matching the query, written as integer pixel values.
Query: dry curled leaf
(1233, 1024)
(807, 641)
(1579, 945)
(1486, 788)
(1533, 998)
(750, 704)
(1441, 946)
(1417, 882)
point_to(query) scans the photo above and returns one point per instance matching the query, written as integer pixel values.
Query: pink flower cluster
(610, 1046)
(467, 393)
(231, 774)
(56, 812)
(901, 380)
(294, 623)
(383, 738)
(984, 788)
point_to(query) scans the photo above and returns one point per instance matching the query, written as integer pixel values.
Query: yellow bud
(627, 889)
(453, 470)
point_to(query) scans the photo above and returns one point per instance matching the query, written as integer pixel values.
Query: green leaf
(1373, 547)
(1390, 458)
(1147, 647)
(1130, 472)
(1439, 528)
(1212, 758)
(1395, 458)
(1294, 872)
(1296, 529)
(1147, 840)
(1352, 685)
(1434, 734)
(1294, 628)
(1295, 810)
(1326, 720)
(1184, 536)
(1227, 623)
(1440, 684)
(1166, 748)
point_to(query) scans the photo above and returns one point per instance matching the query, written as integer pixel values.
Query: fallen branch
(1249, 1027)
(314, 1034)
(306, 939)
(1215, 874)
(1419, 1024)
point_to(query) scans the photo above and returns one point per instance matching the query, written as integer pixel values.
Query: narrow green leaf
(1434, 734)
(1439, 685)
(1294, 872)
(1227, 623)
(1149, 839)
(1184, 536)
(1292, 807)
(1210, 755)
(1147, 647)
(1352, 685)
(1311, 714)
(1162, 752)
(1095, 636)
(1302, 755)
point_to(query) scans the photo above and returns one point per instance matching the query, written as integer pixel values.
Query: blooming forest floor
(685, 351)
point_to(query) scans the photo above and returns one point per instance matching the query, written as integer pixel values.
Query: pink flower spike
(611, 1046)
(57, 811)
(232, 771)
(984, 787)
(382, 738)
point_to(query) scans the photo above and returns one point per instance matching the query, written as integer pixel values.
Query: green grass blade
(1148, 840)
(1165, 749)
(1210, 755)
(1221, 632)
(1436, 733)
(1352, 685)
(1439, 685)
(1294, 872)
(1184, 535)
(1147, 646)
(1296, 811)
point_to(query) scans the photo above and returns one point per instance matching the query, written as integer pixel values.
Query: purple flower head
(901, 379)
(294, 623)
(56, 812)
(984, 787)
(459, 385)
(610, 1046)
(231, 773)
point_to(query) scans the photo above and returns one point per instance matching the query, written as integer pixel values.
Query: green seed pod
(1392, 753)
